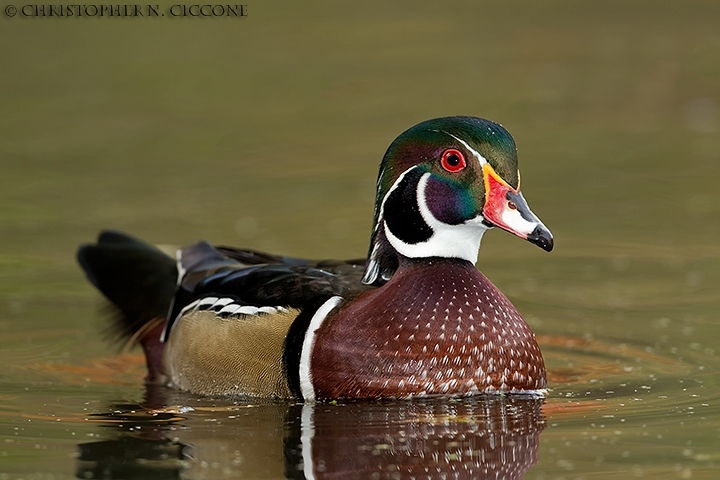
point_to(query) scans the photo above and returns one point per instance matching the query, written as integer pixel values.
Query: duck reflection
(470, 438)
(474, 438)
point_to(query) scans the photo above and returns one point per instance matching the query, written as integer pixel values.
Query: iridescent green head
(442, 184)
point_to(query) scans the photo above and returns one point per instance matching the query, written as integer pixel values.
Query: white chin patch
(514, 221)
(448, 241)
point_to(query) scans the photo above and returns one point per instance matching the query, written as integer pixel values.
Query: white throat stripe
(448, 241)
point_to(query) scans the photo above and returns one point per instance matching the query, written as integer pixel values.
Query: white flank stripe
(306, 386)
(230, 309)
(207, 301)
(224, 301)
(191, 305)
(307, 432)
(187, 308)
(248, 310)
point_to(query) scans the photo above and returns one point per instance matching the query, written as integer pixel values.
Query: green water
(266, 132)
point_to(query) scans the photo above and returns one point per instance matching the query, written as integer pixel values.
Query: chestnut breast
(438, 327)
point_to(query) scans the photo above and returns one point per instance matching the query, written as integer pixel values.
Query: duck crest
(438, 326)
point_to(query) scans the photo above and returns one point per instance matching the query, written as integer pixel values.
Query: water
(267, 132)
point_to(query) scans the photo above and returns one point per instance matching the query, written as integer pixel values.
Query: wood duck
(414, 319)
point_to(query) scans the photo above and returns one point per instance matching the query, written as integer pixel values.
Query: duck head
(442, 184)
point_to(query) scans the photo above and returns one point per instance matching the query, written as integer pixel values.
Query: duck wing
(257, 279)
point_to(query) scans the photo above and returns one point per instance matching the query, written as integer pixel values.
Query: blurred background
(266, 131)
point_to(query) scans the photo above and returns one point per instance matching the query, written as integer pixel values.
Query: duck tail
(140, 281)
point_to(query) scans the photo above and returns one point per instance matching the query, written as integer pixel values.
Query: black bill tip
(542, 237)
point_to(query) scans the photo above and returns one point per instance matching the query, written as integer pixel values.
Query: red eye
(453, 160)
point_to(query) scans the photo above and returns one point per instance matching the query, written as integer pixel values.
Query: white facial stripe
(475, 153)
(454, 241)
(448, 241)
(306, 386)
(372, 270)
(394, 186)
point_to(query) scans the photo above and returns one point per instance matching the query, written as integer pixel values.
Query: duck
(413, 319)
